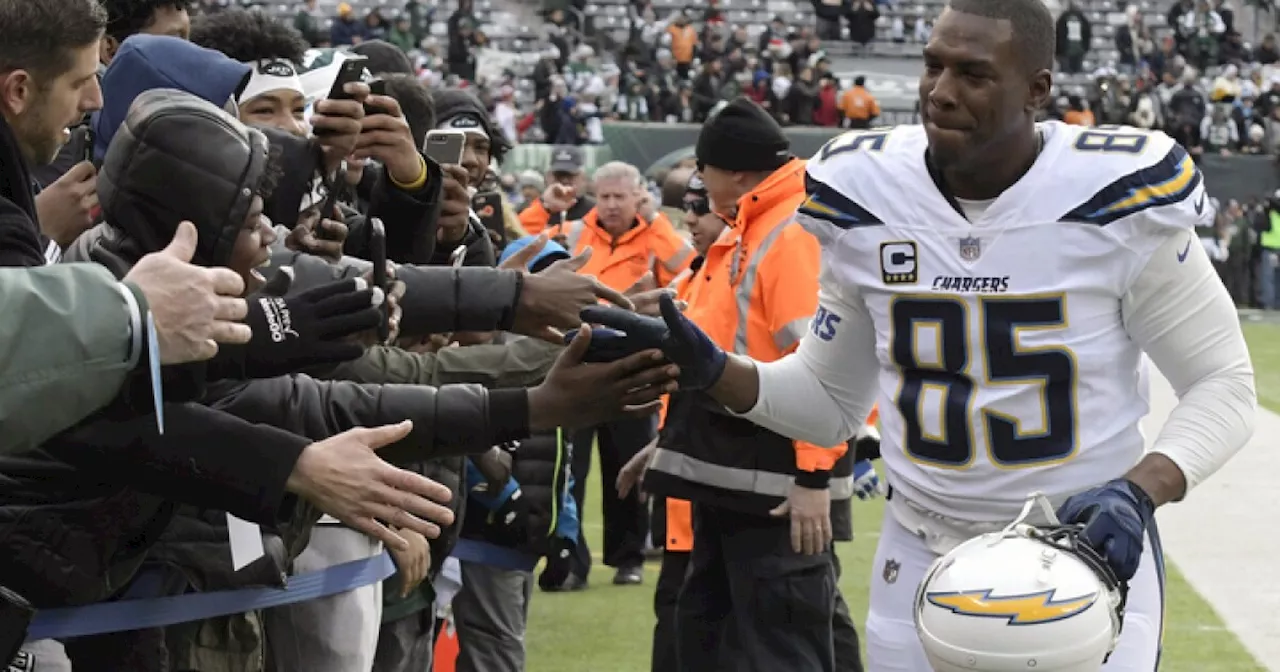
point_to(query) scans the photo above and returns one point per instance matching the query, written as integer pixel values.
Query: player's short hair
(415, 102)
(129, 17)
(40, 35)
(248, 36)
(1034, 35)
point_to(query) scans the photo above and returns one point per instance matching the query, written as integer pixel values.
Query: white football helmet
(1025, 598)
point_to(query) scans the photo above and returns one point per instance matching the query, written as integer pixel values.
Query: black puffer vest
(540, 464)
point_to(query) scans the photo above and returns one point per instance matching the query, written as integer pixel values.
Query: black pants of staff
(675, 566)
(626, 520)
(844, 634)
(750, 603)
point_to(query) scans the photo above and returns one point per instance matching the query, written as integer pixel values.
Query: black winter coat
(540, 464)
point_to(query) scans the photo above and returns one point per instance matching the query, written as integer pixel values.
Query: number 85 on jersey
(955, 358)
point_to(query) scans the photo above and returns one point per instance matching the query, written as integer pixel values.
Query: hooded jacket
(146, 62)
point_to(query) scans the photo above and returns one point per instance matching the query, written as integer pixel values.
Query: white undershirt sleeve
(823, 392)
(1179, 313)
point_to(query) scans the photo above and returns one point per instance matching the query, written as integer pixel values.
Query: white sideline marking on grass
(1222, 537)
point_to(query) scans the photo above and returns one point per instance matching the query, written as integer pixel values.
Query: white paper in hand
(246, 542)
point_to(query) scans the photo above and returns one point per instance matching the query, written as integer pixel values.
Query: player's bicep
(840, 348)
(1180, 314)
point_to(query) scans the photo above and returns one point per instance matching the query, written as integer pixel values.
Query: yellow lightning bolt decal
(1028, 609)
(821, 210)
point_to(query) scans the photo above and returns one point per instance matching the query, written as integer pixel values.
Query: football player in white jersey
(996, 281)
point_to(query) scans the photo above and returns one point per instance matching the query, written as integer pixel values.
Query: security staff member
(564, 199)
(625, 246)
(753, 492)
(673, 519)
(705, 226)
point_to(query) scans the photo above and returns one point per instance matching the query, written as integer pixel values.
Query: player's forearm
(739, 385)
(793, 401)
(1160, 478)
(1196, 342)
(1213, 420)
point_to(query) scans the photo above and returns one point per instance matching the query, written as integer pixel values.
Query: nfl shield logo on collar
(890, 573)
(970, 248)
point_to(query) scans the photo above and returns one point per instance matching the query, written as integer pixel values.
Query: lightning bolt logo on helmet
(1026, 609)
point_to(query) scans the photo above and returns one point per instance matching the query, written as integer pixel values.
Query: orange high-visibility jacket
(620, 262)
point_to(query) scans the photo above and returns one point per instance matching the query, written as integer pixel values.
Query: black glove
(559, 564)
(297, 332)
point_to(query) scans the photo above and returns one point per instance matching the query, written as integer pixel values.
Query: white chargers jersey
(1005, 367)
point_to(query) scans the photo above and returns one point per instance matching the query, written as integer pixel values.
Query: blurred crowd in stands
(1190, 72)
(1195, 78)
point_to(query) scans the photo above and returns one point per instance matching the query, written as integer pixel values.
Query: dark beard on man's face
(38, 142)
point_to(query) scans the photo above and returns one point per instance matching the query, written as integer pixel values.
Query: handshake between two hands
(618, 334)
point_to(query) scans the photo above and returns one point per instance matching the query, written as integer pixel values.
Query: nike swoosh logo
(1200, 203)
(1182, 256)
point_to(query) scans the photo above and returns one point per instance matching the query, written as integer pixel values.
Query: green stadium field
(609, 628)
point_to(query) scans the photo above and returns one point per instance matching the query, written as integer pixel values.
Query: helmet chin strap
(1034, 499)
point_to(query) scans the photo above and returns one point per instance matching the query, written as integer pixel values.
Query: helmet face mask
(1025, 597)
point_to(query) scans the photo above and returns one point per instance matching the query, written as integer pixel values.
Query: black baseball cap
(567, 159)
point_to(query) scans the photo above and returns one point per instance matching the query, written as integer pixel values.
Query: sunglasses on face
(697, 206)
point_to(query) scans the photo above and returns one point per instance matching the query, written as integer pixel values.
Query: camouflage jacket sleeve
(521, 362)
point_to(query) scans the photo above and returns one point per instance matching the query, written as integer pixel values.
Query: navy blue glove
(1114, 517)
(607, 345)
(701, 361)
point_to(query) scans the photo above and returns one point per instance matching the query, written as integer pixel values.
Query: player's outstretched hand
(1114, 516)
(580, 393)
(701, 361)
